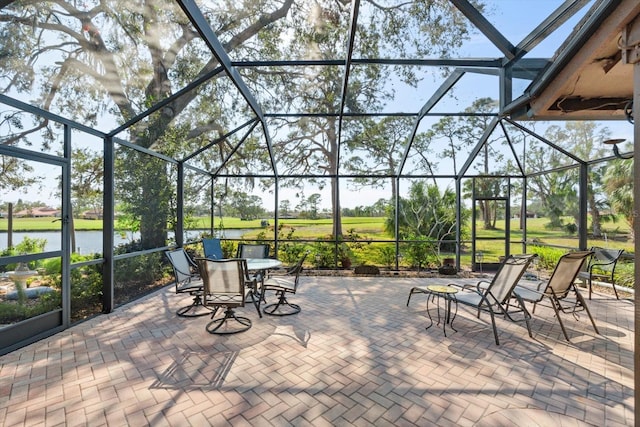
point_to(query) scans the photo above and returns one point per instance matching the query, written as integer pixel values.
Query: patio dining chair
(558, 288)
(495, 296)
(224, 287)
(187, 277)
(212, 248)
(283, 284)
(254, 250)
(601, 265)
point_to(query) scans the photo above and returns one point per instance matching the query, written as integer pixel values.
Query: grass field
(48, 224)
(368, 228)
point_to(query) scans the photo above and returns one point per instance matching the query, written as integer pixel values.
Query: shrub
(11, 312)
(139, 275)
(323, 254)
(86, 291)
(625, 274)
(421, 252)
(387, 255)
(27, 246)
(547, 257)
(289, 252)
(86, 284)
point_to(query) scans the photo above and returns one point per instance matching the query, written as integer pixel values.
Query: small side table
(448, 296)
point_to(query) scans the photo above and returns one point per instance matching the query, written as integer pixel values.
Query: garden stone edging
(31, 293)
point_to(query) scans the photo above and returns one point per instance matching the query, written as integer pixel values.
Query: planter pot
(486, 266)
(367, 269)
(449, 262)
(346, 262)
(447, 270)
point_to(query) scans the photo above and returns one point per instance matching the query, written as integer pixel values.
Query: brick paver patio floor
(355, 355)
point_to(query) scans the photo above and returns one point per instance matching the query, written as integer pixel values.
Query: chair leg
(416, 291)
(273, 309)
(214, 327)
(555, 304)
(256, 302)
(586, 308)
(410, 293)
(615, 291)
(525, 313)
(196, 309)
(613, 285)
(493, 323)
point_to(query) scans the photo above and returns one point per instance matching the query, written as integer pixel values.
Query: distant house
(38, 212)
(92, 214)
(529, 215)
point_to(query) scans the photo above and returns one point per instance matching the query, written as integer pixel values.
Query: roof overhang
(591, 75)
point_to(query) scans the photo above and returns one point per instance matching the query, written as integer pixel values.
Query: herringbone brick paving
(355, 355)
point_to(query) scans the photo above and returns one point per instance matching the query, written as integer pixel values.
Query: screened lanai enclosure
(394, 134)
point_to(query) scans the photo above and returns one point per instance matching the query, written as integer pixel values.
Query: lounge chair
(494, 297)
(558, 288)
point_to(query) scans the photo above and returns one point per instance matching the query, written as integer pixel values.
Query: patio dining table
(254, 264)
(260, 266)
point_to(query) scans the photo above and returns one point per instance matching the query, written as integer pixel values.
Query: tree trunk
(337, 215)
(154, 206)
(332, 138)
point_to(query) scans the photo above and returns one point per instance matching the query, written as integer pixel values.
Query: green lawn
(48, 224)
(366, 227)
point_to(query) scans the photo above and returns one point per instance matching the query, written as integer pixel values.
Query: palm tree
(618, 184)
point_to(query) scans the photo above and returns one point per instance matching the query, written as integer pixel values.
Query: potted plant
(344, 255)
(448, 267)
(345, 262)
(450, 262)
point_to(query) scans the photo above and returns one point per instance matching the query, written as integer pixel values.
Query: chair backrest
(182, 267)
(565, 273)
(605, 259)
(508, 275)
(251, 250)
(223, 277)
(212, 248)
(297, 268)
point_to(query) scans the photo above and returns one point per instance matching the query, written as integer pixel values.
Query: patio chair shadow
(299, 335)
(608, 350)
(467, 351)
(468, 324)
(197, 371)
(621, 304)
(529, 417)
(611, 332)
(525, 348)
(575, 326)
